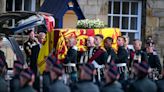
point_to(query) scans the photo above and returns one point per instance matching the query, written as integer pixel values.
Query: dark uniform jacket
(143, 85)
(3, 85)
(154, 61)
(114, 87)
(71, 56)
(58, 86)
(46, 81)
(85, 86)
(137, 53)
(111, 52)
(26, 88)
(14, 84)
(101, 58)
(122, 55)
(28, 49)
(160, 85)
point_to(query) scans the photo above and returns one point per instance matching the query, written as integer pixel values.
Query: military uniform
(71, 56)
(99, 55)
(58, 86)
(160, 85)
(86, 55)
(154, 61)
(85, 86)
(46, 81)
(113, 87)
(143, 85)
(138, 56)
(28, 48)
(3, 85)
(14, 84)
(122, 55)
(111, 54)
(26, 88)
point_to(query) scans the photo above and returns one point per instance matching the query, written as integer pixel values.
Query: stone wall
(155, 23)
(95, 9)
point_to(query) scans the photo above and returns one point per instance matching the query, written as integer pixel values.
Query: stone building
(136, 18)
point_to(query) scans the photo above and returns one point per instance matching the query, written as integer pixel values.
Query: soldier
(71, 56)
(57, 84)
(14, 83)
(100, 55)
(32, 41)
(122, 55)
(153, 58)
(142, 83)
(25, 79)
(111, 76)
(88, 54)
(85, 84)
(46, 74)
(137, 55)
(3, 83)
(108, 46)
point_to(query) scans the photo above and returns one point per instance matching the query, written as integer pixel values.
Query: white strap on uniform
(91, 52)
(109, 58)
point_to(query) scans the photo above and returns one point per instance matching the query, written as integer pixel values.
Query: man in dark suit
(71, 56)
(32, 41)
(85, 83)
(111, 76)
(122, 54)
(153, 58)
(142, 83)
(57, 85)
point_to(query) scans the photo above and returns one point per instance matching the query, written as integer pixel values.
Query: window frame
(137, 32)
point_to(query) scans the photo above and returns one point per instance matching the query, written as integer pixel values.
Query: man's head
(141, 69)
(41, 37)
(126, 40)
(25, 77)
(90, 42)
(137, 44)
(18, 66)
(30, 32)
(71, 42)
(149, 47)
(86, 71)
(108, 42)
(120, 41)
(98, 39)
(56, 71)
(111, 73)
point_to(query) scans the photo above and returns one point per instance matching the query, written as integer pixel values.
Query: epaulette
(103, 49)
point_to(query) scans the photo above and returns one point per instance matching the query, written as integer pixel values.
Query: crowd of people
(100, 68)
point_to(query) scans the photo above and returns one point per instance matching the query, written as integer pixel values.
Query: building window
(19, 5)
(126, 15)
